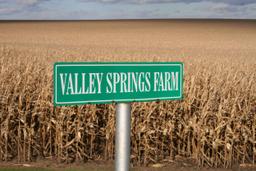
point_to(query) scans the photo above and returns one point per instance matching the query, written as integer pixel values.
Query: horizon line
(127, 19)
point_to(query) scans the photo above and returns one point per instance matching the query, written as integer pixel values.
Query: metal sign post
(122, 141)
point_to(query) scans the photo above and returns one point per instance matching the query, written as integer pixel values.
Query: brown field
(214, 125)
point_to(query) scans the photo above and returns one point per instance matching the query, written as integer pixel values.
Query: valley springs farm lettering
(81, 83)
(130, 82)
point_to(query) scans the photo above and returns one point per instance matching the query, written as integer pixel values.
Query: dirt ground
(45, 165)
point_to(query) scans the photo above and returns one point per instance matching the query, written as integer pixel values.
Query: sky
(125, 9)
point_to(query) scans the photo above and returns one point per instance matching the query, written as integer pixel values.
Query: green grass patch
(56, 169)
(24, 169)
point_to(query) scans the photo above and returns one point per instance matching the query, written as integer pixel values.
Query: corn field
(215, 123)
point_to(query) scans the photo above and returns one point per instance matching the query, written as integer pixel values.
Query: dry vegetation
(214, 125)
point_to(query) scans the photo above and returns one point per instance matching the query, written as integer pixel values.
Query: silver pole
(122, 141)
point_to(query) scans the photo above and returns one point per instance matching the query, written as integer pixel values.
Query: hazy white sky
(126, 9)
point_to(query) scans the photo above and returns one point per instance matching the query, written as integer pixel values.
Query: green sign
(93, 83)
